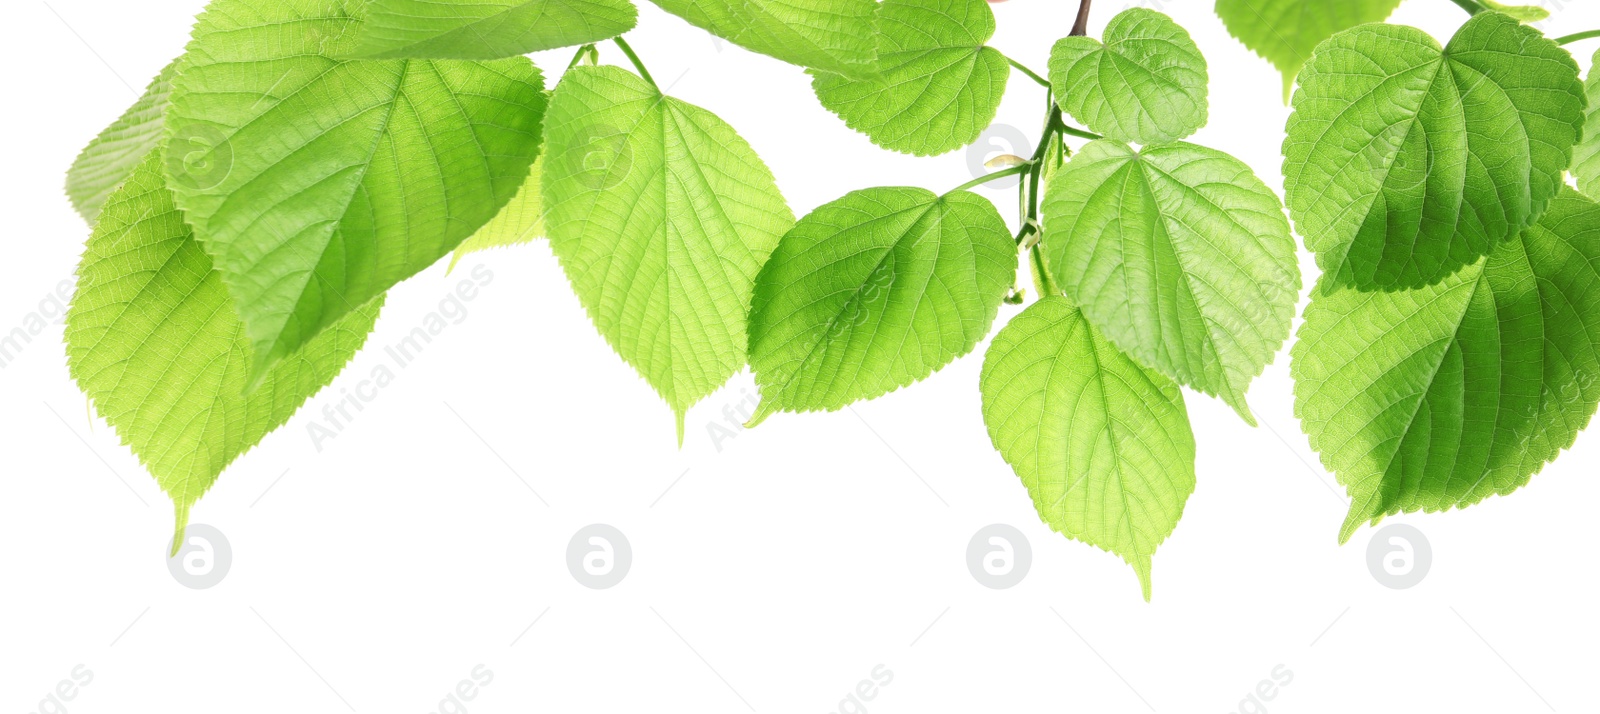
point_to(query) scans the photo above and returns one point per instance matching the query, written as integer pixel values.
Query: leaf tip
(180, 524)
(260, 367)
(1242, 408)
(1352, 522)
(763, 410)
(1141, 567)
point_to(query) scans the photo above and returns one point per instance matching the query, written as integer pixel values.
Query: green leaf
(1286, 32)
(1146, 84)
(1586, 155)
(1439, 397)
(874, 291)
(1520, 13)
(487, 29)
(1102, 444)
(1180, 256)
(521, 221)
(106, 162)
(316, 184)
(937, 87)
(831, 35)
(153, 340)
(1405, 163)
(661, 216)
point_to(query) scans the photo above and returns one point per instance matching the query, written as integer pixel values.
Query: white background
(770, 575)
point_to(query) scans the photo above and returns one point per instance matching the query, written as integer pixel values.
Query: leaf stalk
(645, 73)
(1576, 36)
(986, 178)
(1031, 74)
(1047, 283)
(1081, 134)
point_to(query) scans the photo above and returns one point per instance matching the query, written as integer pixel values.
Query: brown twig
(1081, 27)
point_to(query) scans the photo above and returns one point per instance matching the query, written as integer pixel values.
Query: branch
(1081, 27)
(1472, 7)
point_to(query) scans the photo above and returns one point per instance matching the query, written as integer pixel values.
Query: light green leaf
(1146, 84)
(152, 338)
(106, 162)
(937, 86)
(661, 216)
(1180, 256)
(1102, 444)
(316, 184)
(1439, 397)
(487, 29)
(521, 221)
(874, 291)
(1405, 163)
(1520, 13)
(1586, 155)
(831, 35)
(1286, 32)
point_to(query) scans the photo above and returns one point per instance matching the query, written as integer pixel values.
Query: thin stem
(1052, 117)
(1028, 191)
(635, 60)
(1472, 7)
(1031, 74)
(1081, 27)
(1569, 39)
(1033, 190)
(1052, 123)
(1081, 134)
(986, 178)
